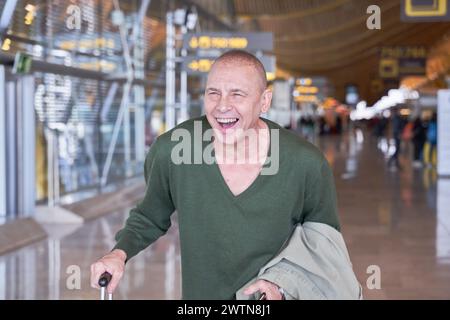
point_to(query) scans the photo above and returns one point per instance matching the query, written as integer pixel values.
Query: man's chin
(227, 137)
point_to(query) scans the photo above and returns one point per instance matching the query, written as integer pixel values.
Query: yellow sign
(88, 44)
(304, 81)
(305, 99)
(207, 42)
(6, 44)
(388, 68)
(306, 90)
(434, 8)
(31, 12)
(404, 52)
(270, 76)
(101, 65)
(201, 65)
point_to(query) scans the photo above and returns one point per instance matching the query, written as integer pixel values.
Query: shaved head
(240, 57)
(236, 94)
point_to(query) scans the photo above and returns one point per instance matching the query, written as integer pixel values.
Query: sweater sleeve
(320, 197)
(150, 219)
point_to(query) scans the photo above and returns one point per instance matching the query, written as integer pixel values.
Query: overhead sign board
(310, 89)
(222, 41)
(399, 61)
(425, 10)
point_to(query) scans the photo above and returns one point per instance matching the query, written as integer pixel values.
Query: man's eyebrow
(212, 89)
(236, 90)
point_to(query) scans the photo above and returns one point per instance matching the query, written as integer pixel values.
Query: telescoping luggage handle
(105, 278)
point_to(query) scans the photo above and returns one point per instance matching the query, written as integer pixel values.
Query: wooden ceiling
(327, 37)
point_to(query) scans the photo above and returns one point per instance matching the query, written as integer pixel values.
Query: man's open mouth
(227, 123)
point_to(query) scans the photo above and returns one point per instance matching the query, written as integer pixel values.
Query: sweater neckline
(259, 180)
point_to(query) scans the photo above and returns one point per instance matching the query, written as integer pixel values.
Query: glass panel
(82, 34)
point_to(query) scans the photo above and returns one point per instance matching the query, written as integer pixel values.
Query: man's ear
(266, 100)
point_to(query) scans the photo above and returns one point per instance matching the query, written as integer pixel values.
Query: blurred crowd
(415, 136)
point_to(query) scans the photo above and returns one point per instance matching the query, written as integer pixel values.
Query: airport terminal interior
(87, 86)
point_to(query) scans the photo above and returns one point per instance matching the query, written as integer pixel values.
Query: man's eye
(238, 95)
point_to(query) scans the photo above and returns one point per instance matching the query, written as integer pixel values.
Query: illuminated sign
(226, 41)
(399, 61)
(87, 44)
(310, 89)
(270, 76)
(425, 10)
(31, 12)
(6, 44)
(304, 81)
(101, 65)
(307, 90)
(388, 68)
(200, 65)
(305, 99)
(207, 42)
(401, 52)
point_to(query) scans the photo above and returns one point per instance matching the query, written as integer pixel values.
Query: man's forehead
(228, 82)
(233, 72)
(229, 70)
(232, 63)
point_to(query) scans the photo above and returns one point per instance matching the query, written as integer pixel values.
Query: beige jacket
(314, 264)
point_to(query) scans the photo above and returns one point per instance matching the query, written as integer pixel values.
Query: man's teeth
(227, 120)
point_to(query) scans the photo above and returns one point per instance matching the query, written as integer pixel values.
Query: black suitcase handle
(104, 280)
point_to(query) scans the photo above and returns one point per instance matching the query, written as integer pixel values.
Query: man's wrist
(120, 254)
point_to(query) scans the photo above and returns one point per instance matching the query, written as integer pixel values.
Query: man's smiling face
(235, 96)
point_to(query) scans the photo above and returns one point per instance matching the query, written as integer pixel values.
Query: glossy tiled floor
(397, 221)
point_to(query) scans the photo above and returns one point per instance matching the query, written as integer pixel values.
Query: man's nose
(223, 105)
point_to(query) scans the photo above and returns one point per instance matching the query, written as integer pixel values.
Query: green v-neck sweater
(226, 239)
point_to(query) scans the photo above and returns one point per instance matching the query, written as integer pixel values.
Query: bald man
(239, 190)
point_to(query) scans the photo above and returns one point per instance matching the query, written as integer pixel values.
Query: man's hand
(271, 290)
(114, 263)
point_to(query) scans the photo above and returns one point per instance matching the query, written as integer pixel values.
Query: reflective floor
(394, 221)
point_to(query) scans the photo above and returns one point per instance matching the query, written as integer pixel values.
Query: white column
(2, 144)
(27, 141)
(443, 138)
(170, 72)
(127, 139)
(139, 124)
(11, 148)
(183, 97)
